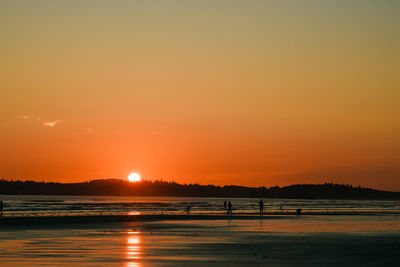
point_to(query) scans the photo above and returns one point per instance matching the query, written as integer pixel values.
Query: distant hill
(117, 187)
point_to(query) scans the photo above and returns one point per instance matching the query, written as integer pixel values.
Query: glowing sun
(134, 177)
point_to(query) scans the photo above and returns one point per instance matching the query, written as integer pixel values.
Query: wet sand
(203, 241)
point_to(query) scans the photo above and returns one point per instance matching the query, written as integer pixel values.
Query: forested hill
(116, 187)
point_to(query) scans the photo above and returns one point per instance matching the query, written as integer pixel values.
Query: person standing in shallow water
(225, 205)
(298, 212)
(261, 204)
(1, 207)
(229, 207)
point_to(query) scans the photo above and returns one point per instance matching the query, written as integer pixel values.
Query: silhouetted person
(188, 209)
(298, 211)
(1, 207)
(229, 207)
(261, 204)
(225, 205)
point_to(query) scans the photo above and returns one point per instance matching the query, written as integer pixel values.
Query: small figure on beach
(261, 204)
(1, 207)
(229, 207)
(188, 209)
(281, 206)
(225, 205)
(298, 212)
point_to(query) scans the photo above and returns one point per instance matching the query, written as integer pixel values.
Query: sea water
(41, 205)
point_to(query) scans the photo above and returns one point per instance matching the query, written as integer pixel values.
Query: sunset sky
(223, 92)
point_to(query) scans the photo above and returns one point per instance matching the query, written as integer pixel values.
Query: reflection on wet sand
(308, 239)
(133, 213)
(133, 249)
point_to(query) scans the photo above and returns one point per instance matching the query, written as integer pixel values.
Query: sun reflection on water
(133, 249)
(133, 213)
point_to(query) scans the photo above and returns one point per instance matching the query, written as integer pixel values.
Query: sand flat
(260, 241)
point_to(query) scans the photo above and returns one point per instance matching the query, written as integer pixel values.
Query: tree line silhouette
(117, 187)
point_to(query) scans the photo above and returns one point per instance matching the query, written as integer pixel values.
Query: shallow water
(23, 205)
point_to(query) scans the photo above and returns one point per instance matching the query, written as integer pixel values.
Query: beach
(200, 240)
(199, 133)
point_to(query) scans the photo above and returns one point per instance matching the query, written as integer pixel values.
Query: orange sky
(222, 92)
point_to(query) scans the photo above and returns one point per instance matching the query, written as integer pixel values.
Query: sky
(212, 92)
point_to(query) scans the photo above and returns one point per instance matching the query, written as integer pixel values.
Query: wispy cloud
(39, 120)
(25, 117)
(30, 118)
(51, 123)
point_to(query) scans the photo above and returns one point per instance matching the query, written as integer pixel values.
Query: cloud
(25, 117)
(51, 124)
(39, 120)
(30, 118)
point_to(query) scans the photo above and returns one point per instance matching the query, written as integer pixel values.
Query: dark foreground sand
(201, 241)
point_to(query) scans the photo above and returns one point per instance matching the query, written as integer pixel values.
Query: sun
(134, 177)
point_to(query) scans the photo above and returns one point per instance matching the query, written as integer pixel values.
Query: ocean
(41, 205)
